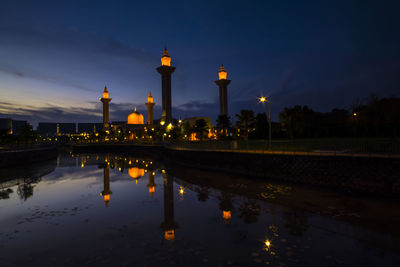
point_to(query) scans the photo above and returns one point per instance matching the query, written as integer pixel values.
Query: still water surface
(119, 210)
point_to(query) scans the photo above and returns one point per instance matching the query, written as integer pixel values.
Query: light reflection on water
(121, 210)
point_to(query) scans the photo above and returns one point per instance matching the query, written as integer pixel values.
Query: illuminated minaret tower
(223, 82)
(106, 192)
(166, 70)
(106, 100)
(150, 104)
(169, 225)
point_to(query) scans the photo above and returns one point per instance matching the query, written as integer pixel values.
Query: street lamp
(262, 100)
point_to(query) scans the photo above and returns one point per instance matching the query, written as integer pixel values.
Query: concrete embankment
(364, 174)
(23, 156)
(372, 175)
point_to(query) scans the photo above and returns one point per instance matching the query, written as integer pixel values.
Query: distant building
(6, 124)
(12, 126)
(67, 128)
(90, 127)
(18, 126)
(47, 128)
(54, 128)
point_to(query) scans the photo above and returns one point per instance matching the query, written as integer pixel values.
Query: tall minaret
(166, 70)
(150, 104)
(223, 82)
(106, 192)
(106, 100)
(169, 225)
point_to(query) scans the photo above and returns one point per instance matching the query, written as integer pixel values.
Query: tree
(261, 126)
(245, 122)
(223, 125)
(200, 128)
(187, 129)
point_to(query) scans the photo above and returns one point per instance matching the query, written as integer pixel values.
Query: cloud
(31, 74)
(69, 58)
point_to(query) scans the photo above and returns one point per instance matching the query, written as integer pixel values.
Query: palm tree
(224, 124)
(245, 121)
(200, 128)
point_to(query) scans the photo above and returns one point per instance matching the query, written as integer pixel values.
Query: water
(120, 210)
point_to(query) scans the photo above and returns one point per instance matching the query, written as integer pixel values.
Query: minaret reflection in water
(226, 205)
(106, 192)
(152, 184)
(169, 225)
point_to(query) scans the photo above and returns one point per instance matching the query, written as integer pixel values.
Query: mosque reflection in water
(136, 170)
(261, 228)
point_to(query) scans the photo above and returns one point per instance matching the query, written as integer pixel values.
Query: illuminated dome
(222, 73)
(135, 173)
(135, 118)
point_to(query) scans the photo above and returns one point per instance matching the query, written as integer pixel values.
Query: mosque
(135, 125)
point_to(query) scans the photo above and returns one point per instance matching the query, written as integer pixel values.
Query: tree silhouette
(245, 122)
(223, 125)
(200, 128)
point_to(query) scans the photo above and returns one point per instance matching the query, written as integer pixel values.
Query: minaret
(166, 70)
(223, 82)
(106, 100)
(106, 192)
(152, 184)
(150, 104)
(169, 225)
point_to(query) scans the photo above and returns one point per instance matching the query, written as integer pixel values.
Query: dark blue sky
(56, 56)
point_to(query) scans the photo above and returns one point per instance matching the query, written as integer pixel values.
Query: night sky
(56, 56)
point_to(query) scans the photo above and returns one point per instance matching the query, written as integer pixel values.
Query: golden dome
(135, 118)
(222, 73)
(135, 173)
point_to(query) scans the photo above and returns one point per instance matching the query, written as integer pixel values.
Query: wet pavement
(120, 210)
